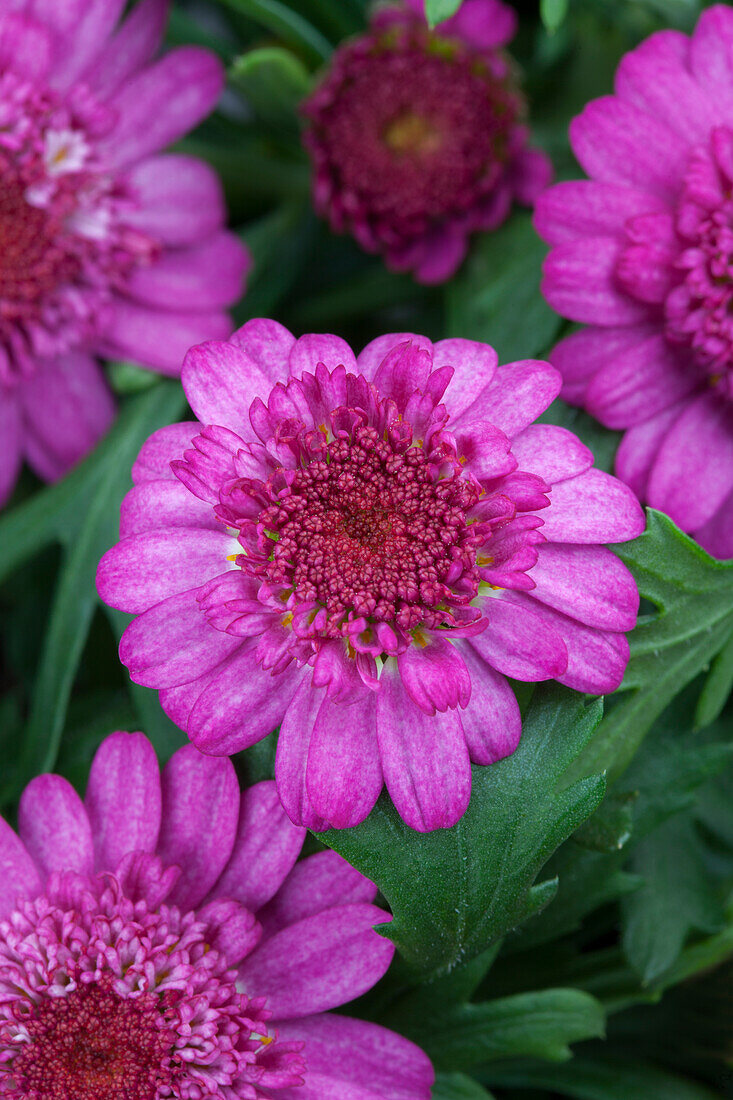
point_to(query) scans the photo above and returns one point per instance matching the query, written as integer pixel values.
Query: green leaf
(457, 1086)
(125, 378)
(693, 596)
(601, 1079)
(274, 82)
(718, 686)
(535, 1025)
(455, 892)
(495, 298)
(678, 895)
(610, 827)
(553, 13)
(281, 244)
(437, 11)
(82, 512)
(286, 23)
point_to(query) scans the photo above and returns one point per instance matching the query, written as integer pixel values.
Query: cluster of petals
(360, 550)
(643, 253)
(107, 246)
(417, 137)
(161, 939)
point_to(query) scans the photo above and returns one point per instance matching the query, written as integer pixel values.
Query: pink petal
(588, 583)
(320, 882)
(127, 51)
(716, 536)
(518, 393)
(350, 1059)
(320, 962)
(221, 382)
(162, 504)
(484, 449)
(424, 759)
(405, 369)
(230, 928)
(184, 86)
(25, 46)
(173, 643)
(67, 406)
(204, 276)
(20, 877)
(693, 471)
(179, 199)
(711, 56)
(241, 705)
(550, 452)
(199, 821)
(492, 724)
(308, 351)
(518, 643)
(580, 283)
(617, 143)
(638, 383)
(266, 846)
(84, 27)
(343, 773)
(586, 208)
(474, 365)
(639, 448)
(159, 338)
(10, 444)
(54, 826)
(142, 570)
(593, 507)
(268, 344)
(434, 675)
(579, 356)
(292, 755)
(160, 449)
(370, 359)
(123, 798)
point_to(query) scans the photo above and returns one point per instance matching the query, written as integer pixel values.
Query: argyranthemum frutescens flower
(644, 254)
(159, 940)
(417, 137)
(360, 551)
(106, 246)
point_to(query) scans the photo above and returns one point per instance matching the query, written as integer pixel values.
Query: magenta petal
(518, 643)
(266, 846)
(579, 356)
(586, 208)
(180, 199)
(580, 283)
(231, 928)
(184, 85)
(517, 395)
(693, 471)
(241, 705)
(292, 754)
(200, 811)
(25, 45)
(123, 798)
(221, 382)
(144, 569)
(20, 877)
(370, 359)
(588, 583)
(161, 503)
(711, 56)
(159, 338)
(134, 43)
(424, 759)
(54, 826)
(716, 536)
(474, 365)
(434, 675)
(308, 351)
(322, 881)
(492, 724)
(593, 507)
(10, 445)
(484, 448)
(320, 962)
(639, 448)
(639, 383)
(350, 1059)
(343, 773)
(161, 448)
(268, 344)
(83, 35)
(204, 276)
(550, 452)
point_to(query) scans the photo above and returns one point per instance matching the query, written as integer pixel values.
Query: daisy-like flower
(106, 247)
(159, 940)
(360, 550)
(417, 136)
(644, 254)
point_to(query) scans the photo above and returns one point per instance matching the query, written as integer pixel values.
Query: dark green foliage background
(572, 935)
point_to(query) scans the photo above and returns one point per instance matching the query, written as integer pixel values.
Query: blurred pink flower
(340, 549)
(643, 253)
(106, 247)
(159, 940)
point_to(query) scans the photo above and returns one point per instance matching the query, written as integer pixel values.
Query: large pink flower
(360, 551)
(159, 940)
(417, 137)
(644, 254)
(106, 248)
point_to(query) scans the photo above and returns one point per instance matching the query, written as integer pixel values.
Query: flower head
(416, 136)
(104, 244)
(160, 941)
(644, 254)
(359, 551)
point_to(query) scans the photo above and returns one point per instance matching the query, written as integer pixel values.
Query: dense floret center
(33, 259)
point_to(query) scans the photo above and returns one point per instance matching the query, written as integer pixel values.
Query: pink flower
(416, 136)
(106, 247)
(644, 254)
(160, 940)
(335, 550)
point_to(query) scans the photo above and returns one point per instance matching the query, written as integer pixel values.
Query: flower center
(412, 133)
(93, 1044)
(699, 309)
